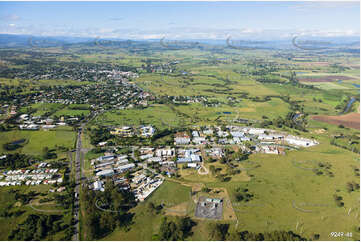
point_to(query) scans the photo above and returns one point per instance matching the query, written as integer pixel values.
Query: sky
(180, 20)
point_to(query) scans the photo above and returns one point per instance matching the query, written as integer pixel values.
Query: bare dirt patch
(319, 131)
(350, 120)
(178, 210)
(17, 204)
(228, 211)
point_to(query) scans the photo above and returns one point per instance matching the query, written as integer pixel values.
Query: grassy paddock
(37, 140)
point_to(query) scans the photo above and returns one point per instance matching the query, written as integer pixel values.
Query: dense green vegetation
(15, 161)
(19, 221)
(37, 227)
(105, 211)
(178, 230)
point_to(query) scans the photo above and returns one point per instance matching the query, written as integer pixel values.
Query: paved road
(78, 175)
(79, 156)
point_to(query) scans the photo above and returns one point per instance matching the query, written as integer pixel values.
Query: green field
(159, 116)
(37, 140)
(71, 112)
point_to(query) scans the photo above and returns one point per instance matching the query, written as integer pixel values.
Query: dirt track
(350, 120)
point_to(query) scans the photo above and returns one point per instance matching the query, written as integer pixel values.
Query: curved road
(205, 172)
(44, 210)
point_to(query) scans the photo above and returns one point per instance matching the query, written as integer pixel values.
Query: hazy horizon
(181, 20)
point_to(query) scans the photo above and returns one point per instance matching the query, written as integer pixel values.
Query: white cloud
(173, 33)
(10, 17)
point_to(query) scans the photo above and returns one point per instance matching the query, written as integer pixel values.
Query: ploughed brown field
(325, 78)
(350, 120)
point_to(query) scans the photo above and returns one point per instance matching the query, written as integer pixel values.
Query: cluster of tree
(295, 82)
(272, 236)
(356, 171)
(59, 164)
(99, 135)
(243, 195)
(179, 229)
(231, 169)
(37, 227)
(214, 171)
(9, 214)
(4, 127)
(65, 200)
(154, 209)
(270, 79)
(218, 231)
(338, 200)
(289, 121)
(6, 212)
(15, 161)
(48, 154)
(206, 189)
(351, 147)
(223, 178)
(129, 141)
(317, 100)
(292, 79)
(352, 186)
(78, 107)
(97, 150)
(323, 168)
(342, 105)
(24, 198)
(12, 119)
(106, 210)
(240, 155)
(262, 99)
(46, 199)
(265, 123)
(221, 232)
(228, 153)
(162, 134)
(157, 137)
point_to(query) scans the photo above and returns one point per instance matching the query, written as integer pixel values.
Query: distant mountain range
(23, 41)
